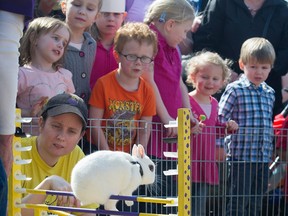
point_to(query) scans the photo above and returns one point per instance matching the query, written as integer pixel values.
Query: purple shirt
(136, 10)
(24, 7)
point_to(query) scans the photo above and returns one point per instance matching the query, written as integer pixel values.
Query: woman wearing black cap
(55, 151)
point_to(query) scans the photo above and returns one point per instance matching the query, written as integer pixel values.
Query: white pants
(11, 26)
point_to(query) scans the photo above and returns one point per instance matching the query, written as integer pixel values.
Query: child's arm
(220, 153)
(227, 103)
(160, 107)
(144, 131)
(97, 134)
(186, 104)
(222, 129)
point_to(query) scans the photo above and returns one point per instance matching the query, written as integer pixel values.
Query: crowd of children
(126, 73)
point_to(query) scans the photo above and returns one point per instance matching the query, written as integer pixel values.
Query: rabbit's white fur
(104, 173)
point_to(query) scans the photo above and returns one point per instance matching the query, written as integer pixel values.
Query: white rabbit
(104, 173)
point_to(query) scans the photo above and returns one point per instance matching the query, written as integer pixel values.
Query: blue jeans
(3, 190)
(198, 199)
(247, 183)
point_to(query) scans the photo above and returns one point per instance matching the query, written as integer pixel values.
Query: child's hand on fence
(197, 128)
(171, 131)
(232, 125)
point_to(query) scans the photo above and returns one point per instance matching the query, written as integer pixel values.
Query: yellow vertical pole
(184, 181)
(13, 183)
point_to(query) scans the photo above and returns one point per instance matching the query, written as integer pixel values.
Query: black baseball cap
(66, 103)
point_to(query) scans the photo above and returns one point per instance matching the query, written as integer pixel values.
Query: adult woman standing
(13, 14)
(226, 24)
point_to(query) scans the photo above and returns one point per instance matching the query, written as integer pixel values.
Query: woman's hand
(196, 23)
(55, 183)
(59, 184)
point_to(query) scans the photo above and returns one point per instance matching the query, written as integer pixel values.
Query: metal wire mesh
(210, 144)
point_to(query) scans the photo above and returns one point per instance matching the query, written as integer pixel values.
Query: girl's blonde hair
(163, 10)
(257, 49)
(39, 26)
(203, 58)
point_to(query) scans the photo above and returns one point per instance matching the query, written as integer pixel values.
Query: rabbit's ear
(141, 151)
(135, 150)
(138, 151)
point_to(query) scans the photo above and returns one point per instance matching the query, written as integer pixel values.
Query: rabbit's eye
(151, 167)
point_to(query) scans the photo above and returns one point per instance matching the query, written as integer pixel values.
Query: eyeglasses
(143, 59)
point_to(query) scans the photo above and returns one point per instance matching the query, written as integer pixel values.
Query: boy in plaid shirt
(249, 101)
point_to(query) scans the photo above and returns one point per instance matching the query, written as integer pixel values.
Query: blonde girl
(41, 75)
(171, 20)
(80, 55)
(208, 73)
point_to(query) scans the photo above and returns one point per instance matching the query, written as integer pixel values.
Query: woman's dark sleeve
(211, 28)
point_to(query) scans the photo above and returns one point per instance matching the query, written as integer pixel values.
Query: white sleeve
(11, 26)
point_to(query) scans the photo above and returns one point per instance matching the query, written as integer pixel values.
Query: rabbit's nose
(151, 167)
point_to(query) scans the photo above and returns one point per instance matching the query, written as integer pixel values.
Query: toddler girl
(208, 73)
(41, 75)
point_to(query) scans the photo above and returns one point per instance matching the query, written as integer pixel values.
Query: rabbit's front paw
(129, 203)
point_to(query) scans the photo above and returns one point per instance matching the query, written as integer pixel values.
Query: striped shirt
(251, 107)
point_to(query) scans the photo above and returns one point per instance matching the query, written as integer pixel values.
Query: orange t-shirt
(121, 107)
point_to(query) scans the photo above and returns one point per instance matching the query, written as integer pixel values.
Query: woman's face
(58, 136)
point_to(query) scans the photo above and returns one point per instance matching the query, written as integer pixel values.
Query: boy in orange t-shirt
(122, 104)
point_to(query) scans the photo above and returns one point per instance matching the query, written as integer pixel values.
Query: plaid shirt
(251, 107)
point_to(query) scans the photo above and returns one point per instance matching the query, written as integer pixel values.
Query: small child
(41, 77)
(171, 20)
(108, 21)
(208, 73)
(123, 94)
(249, 101)
(80, 55)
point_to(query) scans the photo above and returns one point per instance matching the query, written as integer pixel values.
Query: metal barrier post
(184, 181)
